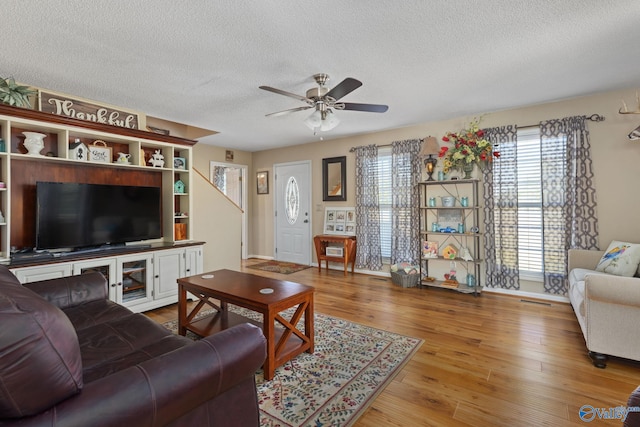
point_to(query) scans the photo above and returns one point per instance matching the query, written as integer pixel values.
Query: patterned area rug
(279, 267)
(350, 366)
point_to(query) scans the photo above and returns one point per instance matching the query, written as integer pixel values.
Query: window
(529, 188)
(384, 198)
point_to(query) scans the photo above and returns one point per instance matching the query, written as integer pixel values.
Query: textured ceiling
(200, 62)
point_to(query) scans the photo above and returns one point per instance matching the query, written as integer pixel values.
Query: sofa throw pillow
(620, 259)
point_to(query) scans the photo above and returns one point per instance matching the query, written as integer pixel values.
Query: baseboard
(268, 258)
(533, 295)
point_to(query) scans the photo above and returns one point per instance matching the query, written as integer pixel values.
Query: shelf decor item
(448, 201)
(14, 94)
(178, 187)
(157, 159)
(99, 152)
(180, 163)
(429, 149)
(470, 147)
(78, 151)
(33, 142)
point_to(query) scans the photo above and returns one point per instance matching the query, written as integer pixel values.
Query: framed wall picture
(262, 180)
(334, 179)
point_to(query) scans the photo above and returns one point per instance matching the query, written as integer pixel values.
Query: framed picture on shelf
(450, 218)
(180, 163)
(262, 181)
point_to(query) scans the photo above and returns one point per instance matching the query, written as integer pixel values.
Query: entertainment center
(131, 225)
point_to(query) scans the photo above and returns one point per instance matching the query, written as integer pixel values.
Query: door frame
(245, 200)
(275, 205)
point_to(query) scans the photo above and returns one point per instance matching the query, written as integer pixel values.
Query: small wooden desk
(348, 252)
(245, 290)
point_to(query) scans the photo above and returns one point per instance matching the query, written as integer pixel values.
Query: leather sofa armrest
(165, 388)
(68, 291)
(584, 258)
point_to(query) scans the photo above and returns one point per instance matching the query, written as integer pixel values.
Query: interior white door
(292, 205)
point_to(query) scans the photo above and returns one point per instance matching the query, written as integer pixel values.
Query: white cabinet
(42, 272)
(194, 261)
(140, 281)
(136, 279)
(169, 266)
(106, 266)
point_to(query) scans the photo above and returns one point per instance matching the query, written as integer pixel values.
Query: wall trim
(545, 297)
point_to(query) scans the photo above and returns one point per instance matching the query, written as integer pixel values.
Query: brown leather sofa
(71, 357)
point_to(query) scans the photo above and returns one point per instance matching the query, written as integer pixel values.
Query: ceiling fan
(325, 101)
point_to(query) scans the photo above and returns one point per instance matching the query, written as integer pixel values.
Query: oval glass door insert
(292, 200)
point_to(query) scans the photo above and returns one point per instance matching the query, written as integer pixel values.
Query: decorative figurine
(157, 159)
(178, 187)
(78, 150)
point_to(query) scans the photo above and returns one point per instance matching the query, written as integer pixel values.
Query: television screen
(72, 215)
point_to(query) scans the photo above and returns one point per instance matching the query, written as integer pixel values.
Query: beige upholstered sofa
(607, 308)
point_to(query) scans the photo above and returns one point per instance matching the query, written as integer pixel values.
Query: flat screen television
(75, 216)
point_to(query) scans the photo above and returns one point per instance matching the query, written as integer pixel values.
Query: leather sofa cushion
(122, 342)
(40, 362)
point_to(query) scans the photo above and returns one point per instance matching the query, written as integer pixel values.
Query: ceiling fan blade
(291, 110)
(371, 108)
(344, 88)
(285, 93)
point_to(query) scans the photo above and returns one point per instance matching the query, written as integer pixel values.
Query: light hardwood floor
(493, 360)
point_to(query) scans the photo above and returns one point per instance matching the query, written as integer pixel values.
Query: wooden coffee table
(260, 294)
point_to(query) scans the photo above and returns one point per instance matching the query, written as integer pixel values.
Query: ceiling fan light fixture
(314, 120)
(317, 123)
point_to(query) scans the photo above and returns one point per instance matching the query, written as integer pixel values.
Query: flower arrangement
(469, 147)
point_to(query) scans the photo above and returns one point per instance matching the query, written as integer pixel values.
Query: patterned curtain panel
(405, 201)
(569, 199)
(369, 253)
(501, 211)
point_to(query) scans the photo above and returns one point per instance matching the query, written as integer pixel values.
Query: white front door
(292, 206)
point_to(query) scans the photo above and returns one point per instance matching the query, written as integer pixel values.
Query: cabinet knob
(113, 285)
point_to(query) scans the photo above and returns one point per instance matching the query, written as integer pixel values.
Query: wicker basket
(403, 279)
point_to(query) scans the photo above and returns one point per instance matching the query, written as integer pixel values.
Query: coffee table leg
(182, 310)
(269, 334)
(308, 324)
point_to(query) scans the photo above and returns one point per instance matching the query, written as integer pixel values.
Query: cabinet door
(135, 274)
(35, 274)
(193, 256)
(169, 267)
(107, 267)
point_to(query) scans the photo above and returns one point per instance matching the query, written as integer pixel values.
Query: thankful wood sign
(83, 110)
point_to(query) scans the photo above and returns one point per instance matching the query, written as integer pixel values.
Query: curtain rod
(352, 149)
(594, 118)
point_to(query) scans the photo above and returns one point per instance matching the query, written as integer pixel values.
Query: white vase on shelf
(34, 142)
